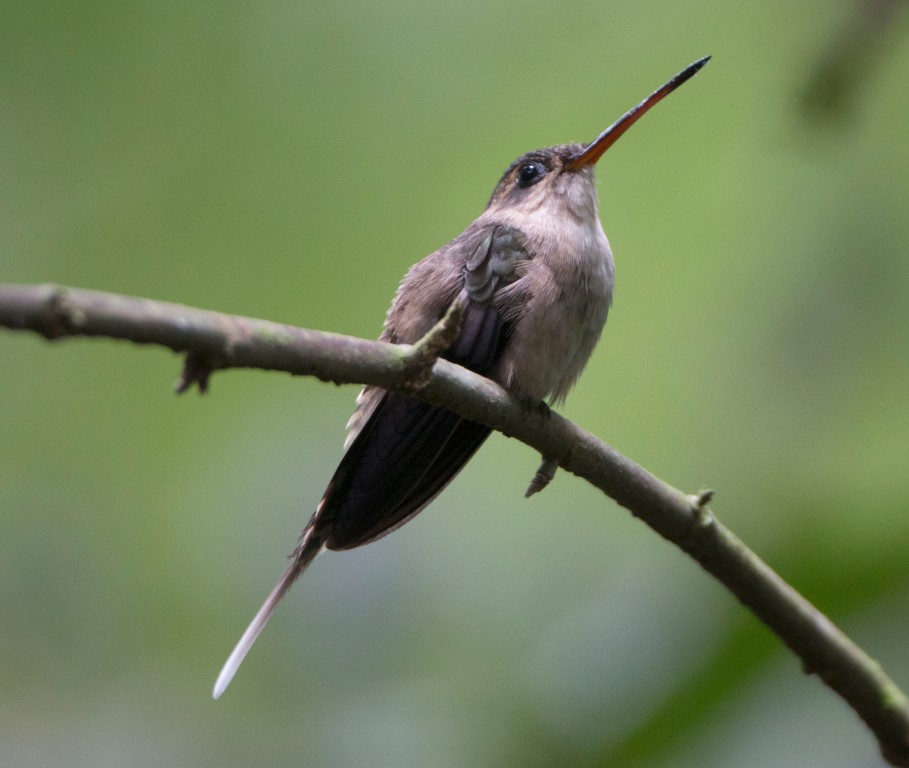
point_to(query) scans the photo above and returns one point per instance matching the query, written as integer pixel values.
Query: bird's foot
(542, 478)
(197, 369)
(532, 406)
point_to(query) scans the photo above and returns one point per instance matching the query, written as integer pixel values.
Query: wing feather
(408, 450)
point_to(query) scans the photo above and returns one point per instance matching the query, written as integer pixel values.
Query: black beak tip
(690, 70)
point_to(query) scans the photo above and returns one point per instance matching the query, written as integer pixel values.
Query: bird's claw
(197, 369)
(543, 476)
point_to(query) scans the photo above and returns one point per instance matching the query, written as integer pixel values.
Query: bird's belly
(549, 349)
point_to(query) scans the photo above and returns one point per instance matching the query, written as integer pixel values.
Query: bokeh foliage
(289, 161)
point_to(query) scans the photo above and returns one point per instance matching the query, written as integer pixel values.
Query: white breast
(565, 293)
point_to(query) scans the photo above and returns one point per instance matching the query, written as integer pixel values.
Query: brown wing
(409, 450)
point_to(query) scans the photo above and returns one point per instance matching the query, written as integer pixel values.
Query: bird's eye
(530, 173)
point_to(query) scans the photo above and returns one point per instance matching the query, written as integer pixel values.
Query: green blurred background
(290, 161)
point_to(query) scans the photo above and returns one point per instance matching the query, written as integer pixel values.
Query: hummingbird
(534, 275)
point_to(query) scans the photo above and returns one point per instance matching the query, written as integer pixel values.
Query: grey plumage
(535, 274)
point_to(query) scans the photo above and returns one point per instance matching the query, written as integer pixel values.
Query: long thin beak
(593, 151)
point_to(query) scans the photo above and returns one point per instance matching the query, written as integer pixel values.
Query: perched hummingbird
(534, 274)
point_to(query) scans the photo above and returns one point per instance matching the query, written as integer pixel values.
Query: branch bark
(214, 341)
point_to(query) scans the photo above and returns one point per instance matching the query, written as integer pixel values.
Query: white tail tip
(258, 623)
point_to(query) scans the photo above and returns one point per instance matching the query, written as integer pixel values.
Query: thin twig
(422, 356)
(685, 520)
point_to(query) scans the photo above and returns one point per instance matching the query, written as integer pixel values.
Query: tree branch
(215, 341)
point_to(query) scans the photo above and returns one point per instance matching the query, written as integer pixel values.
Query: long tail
(306, 551)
